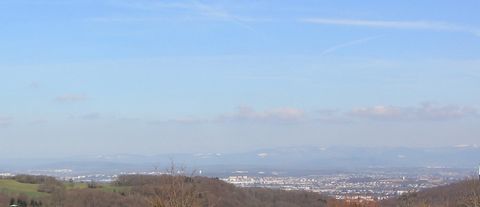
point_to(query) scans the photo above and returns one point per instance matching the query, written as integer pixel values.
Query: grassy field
(12, 187)
(71, 186)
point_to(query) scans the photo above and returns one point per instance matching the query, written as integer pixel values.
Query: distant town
(360, 185)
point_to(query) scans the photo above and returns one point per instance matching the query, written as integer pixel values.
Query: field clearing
(13, 187)
(71, 186)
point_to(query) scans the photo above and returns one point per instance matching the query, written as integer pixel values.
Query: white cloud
(423, 25)
(401, 156)
(262, 155)
(465, 146)
(71, 98)
(380, 111)
(243, 114)
(422, 112)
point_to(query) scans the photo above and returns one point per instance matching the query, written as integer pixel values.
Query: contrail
(223, 14)
(347, 44)
(424, 25)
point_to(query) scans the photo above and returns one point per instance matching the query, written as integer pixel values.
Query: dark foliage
(98, 198)
(34, 179)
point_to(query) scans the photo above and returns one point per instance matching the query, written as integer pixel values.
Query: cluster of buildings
(358, 185)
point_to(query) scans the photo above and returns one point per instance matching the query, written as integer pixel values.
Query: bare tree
(180, 190)
(472, 194)
(407, 200)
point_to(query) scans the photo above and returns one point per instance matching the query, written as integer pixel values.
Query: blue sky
(152, 76)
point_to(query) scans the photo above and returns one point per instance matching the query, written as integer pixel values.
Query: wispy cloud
(5, 121)
(91, 116)
(291, 115)
(194, 9)
(347, 44)
(423, 25)
(268, 77)
(422, 112)
(151, 5)
(223, 14)
(38, 122)
(181, 120)
(71, 98)
(123, 19)
(34, 84)
(189, 120)
(246, 113)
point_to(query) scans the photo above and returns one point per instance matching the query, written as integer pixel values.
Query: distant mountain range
(286, 158)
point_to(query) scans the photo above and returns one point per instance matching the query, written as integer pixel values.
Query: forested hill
(143, 190)
(461, 194)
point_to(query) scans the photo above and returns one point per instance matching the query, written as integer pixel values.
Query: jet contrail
(347, 44)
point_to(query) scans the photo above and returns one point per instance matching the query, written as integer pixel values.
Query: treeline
(33, 179)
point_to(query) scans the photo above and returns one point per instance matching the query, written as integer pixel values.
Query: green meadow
(12, 187)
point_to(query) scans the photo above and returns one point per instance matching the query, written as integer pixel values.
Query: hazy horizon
(152, 77)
